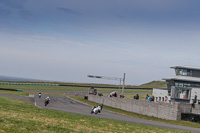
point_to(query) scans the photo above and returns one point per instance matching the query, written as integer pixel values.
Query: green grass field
(152, 84)
(65, 88)
(45, 88)
(127, 95)
(69, 88)
(27, 93)
(23, 117)
(14, 93)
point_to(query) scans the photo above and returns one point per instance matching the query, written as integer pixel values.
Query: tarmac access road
(66, 104)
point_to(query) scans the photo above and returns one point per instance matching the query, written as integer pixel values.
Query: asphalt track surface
(66, 104)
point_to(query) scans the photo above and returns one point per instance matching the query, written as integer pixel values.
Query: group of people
(148, 98)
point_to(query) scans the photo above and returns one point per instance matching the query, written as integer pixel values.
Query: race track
(66, 104)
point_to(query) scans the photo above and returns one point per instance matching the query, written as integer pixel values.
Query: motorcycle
(97, 109)
(46, 102)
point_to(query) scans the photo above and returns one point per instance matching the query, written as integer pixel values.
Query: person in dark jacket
(152, 98)
(136, 97)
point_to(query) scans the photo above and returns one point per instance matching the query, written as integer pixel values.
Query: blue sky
(66, 40)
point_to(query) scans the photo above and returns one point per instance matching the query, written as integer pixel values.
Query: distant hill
(155, 84)
(152, 84)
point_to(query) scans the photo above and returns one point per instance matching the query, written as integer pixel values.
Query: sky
(66, 40)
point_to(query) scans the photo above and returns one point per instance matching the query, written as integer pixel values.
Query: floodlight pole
(120, 84)
(123, 85)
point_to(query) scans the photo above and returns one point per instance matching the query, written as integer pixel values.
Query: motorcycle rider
(47, 99)
(97, 109)
(39, 95)
(113, 94)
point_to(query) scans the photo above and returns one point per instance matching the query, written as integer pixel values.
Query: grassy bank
(45, 88)
(71, 88)
(48, 90)
(65, 88)
(14, 93)
(27, 93)
(177, 122)
(20, 116)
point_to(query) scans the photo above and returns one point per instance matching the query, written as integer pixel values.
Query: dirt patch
(2, 131)
(111, 125)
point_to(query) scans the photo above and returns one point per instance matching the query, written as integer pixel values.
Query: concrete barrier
(169, 111)
(196, 110)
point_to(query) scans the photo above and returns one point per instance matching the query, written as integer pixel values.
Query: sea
(9, 78)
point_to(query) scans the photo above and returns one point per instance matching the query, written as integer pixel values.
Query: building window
(183, 72)
(182, 93)
(178, 84)
(189, 72)
(183, 85)
(195, 85)
(177, 71)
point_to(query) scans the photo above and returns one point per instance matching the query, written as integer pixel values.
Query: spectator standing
(136, 97)
(152, 98)
(147, 97)
(166, 98)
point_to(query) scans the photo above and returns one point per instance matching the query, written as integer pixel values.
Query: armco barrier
(11, 89)
(169, 111)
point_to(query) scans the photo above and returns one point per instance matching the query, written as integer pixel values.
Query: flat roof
(187, 67)
(183, 78)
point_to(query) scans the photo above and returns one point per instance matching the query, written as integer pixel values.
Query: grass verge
(14, 93)
(20, 116)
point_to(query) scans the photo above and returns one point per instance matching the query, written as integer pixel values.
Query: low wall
(196, 109)
(170, 111)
